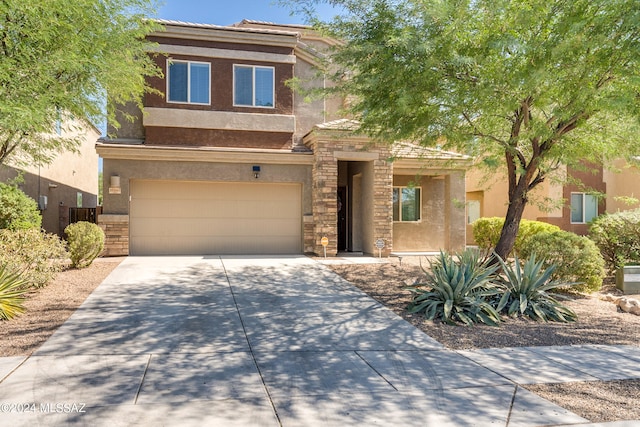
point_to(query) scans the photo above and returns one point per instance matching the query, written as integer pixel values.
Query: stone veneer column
(325, 193)
(383, 202)
(328, 150)
(116, 230)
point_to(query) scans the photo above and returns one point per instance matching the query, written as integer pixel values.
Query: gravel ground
(49, 307)
(599, 323)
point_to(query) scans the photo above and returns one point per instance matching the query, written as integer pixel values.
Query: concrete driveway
(233, 341)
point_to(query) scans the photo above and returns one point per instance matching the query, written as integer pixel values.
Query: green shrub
(17, 210)
(577, 259)
(486, 232)
(34, 255)
(456, 290)
(12, 290)
(618, 237)
(86, 241)
(525, 292)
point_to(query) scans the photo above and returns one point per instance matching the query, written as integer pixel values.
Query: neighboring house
(602, 191)
(69, 181)
(231, 161)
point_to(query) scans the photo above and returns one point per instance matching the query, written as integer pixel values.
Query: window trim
(584, 210)
(168, 80)
(400, 188)
(253, 87)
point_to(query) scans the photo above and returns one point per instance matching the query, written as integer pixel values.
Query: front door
(342, 218)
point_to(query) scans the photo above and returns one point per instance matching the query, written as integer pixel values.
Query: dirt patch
(49, 307)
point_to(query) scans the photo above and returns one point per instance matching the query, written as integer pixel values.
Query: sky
(226, 12)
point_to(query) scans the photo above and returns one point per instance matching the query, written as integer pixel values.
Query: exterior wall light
(256, 172)
(114, 184)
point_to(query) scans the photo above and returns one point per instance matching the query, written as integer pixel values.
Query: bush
(576, 257)
(525, 292)
(456, 290)
(86, 241)
(617, 237)
(486, 232)
(17, 210)
(12, 290)
(32, 254)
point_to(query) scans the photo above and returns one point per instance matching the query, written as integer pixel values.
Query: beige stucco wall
(442, 224)
(495, 190)
(312, 111)
(70, 173)
(622, 182)
(197, 171)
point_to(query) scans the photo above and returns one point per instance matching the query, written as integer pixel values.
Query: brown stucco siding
(281, 50)
(217, 138)
(222, 86)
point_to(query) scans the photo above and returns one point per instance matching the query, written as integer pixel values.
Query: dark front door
(342, 218)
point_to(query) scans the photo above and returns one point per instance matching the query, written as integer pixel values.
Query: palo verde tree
(61, 61)
(528, 86)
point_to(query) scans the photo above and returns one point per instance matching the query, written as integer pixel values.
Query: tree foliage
(59, 59)
(526, 85)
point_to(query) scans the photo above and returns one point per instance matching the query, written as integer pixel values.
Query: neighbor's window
(406, 204)
(473, 211)
(584, 207)
(253, 86)
(188, 82)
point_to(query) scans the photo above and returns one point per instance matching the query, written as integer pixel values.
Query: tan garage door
(194, 218)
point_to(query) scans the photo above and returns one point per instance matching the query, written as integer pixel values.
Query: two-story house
(230, 160)
(69, 182)
(576, 198)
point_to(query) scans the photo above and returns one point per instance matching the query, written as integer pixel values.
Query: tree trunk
(511, 222)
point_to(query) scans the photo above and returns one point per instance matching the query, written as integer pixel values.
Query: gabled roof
(340, 124)
(234, 27)
(407, 150)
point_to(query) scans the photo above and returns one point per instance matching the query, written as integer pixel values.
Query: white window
(406, 204)
(473, 211)
(584, 207)
(253, 86)
(188, 82)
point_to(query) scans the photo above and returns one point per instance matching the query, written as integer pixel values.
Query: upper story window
(406, 204)
(188, 82)
(253, 86)
(584, 207)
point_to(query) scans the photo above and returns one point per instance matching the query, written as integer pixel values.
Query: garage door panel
(179, 217)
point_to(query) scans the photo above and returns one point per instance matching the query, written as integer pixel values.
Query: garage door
(193, 218)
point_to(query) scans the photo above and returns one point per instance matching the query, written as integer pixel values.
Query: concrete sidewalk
(259, 341)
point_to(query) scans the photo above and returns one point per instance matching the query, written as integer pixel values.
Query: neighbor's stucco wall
(623, 183)
(60, 181)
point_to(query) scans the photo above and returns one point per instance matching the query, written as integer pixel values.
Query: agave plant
(12, 290)
(457, 290)
(525, 292)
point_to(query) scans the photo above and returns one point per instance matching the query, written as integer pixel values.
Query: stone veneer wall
(328, 149)
(383, 201)
(116, 230)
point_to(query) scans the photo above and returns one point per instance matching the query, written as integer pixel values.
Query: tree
(61, 61)
(527, 85)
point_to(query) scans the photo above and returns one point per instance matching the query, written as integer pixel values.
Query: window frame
(584, 207)
(400, 192)
(253, 85)
(168, 81)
